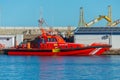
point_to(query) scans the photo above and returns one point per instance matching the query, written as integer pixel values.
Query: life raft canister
(56, 49)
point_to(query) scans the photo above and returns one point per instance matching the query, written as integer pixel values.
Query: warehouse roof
(98, 30)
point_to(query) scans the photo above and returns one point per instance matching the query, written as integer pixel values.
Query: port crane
(115, 23)
(108, 18)
(98, 19)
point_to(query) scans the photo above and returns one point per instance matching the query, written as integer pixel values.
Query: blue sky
(55, 12)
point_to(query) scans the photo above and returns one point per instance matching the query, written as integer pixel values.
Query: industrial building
(88, 35)
(7, 41)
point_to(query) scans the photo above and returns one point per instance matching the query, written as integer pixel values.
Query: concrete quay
(30, 30)
(112, 52)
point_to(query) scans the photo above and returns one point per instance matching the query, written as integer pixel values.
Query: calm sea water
(59, 68)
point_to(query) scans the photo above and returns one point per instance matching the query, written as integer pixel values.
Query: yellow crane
(115, 23)
(98, 19)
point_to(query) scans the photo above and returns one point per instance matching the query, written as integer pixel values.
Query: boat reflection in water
(60, 67)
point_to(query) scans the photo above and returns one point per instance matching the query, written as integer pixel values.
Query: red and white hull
(86, 51)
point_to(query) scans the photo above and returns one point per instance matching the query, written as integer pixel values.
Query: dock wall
(29, 30)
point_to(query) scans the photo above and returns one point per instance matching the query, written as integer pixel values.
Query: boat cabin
(52, 41)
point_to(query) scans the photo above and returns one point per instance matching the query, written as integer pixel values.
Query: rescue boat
(54, 45)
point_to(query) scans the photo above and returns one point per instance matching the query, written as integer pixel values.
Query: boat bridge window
(43, 40)
(52, 40)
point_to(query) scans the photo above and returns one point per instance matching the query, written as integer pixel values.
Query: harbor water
(106, 67)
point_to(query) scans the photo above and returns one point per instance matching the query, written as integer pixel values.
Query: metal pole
(110, 39)
(109, 15)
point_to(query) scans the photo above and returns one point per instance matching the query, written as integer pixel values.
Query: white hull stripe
(94, 51)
